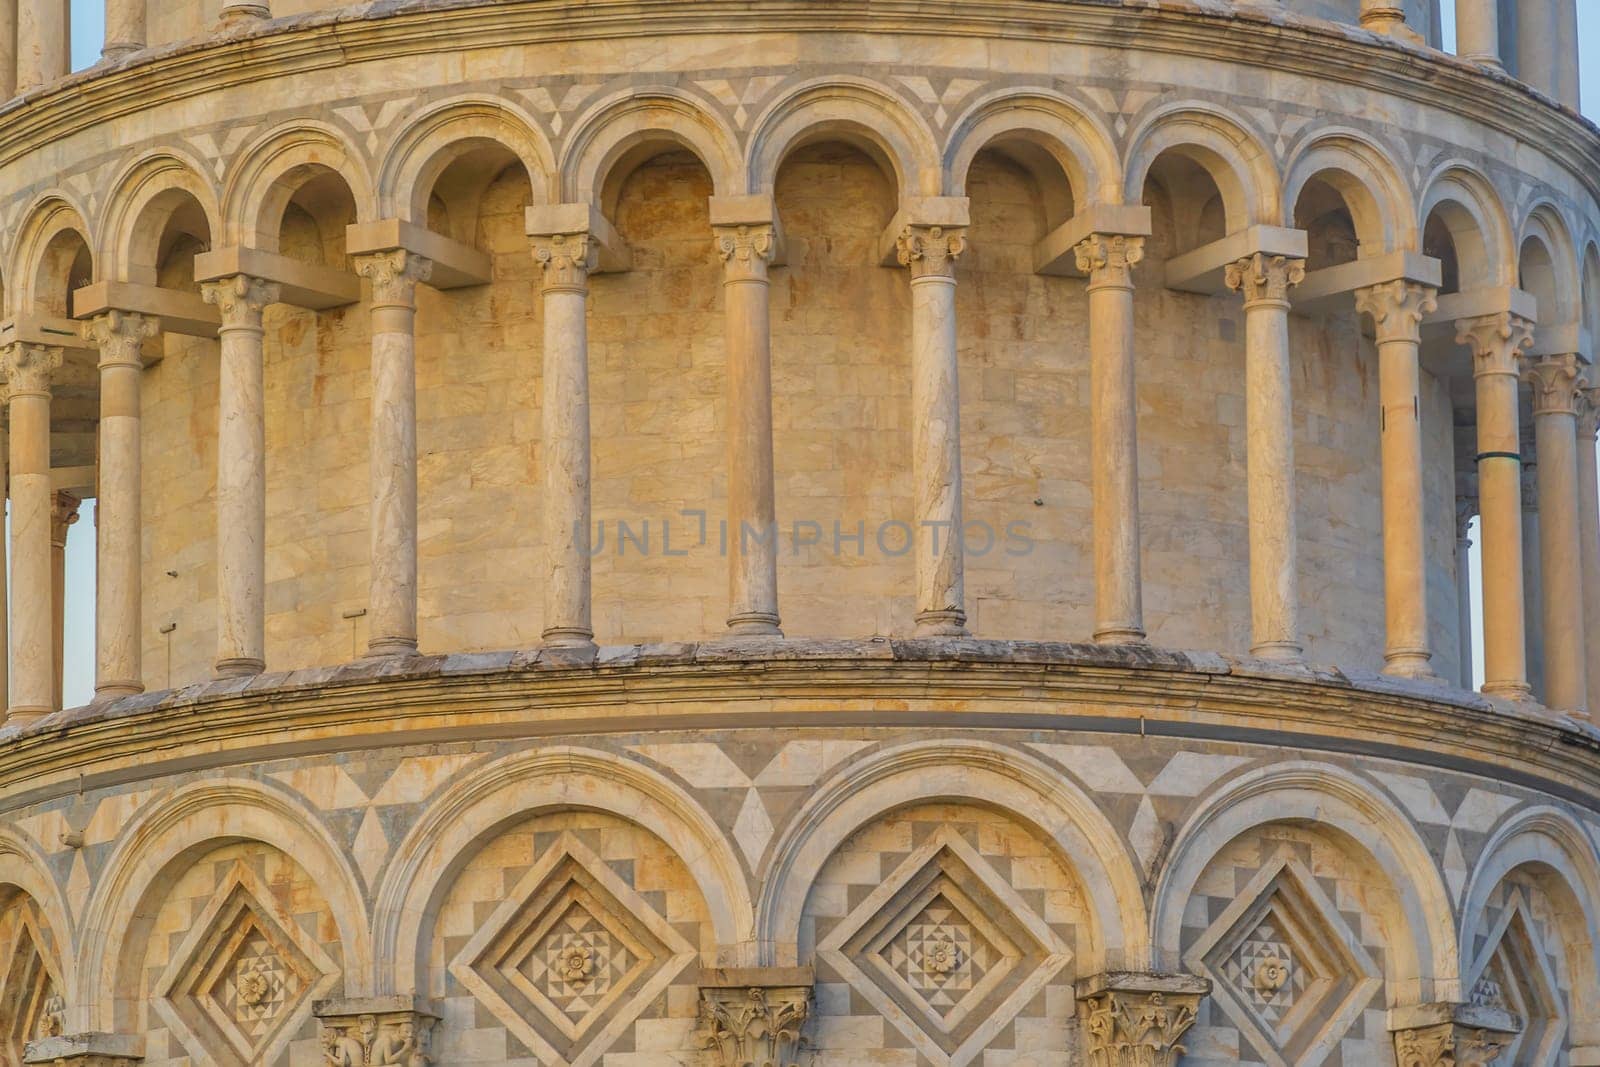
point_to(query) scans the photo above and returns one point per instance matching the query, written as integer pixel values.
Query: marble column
(931, 252)
(5, 621)
(392, 443)
(1397, 309)
(1108, 260)
(241, 475)
(1388, 17)
(566, 261)
(63, 516)
(118, 519)
(1556, 381)
(1496, 341)
(125, 28)
(746, 252)
(1567, 82)
(1538, 50)
(1532, 579)
(1478, 31)
(28, 370)
(41, 43)
(8, 49)
(1589, 538)
(1465, 510)
(241, 14)
(1265, 282)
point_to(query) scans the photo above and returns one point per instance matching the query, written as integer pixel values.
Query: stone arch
(144, 198)
(53, 235)
(1550, 841)
(1223, 145)
(1365, 176)
(1558, 284)
(270, 172)
(470, 811)
(441, 134)
(1426, 966)
(992, 776)
(1051, 125)
(1591, 291)
(23, 867)
(620, 132)
(862, 113)
(1473, 213)
(180, 827)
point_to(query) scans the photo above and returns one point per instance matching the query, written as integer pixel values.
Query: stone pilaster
(377, 1031)
(1137, 1020)
(755, 1016)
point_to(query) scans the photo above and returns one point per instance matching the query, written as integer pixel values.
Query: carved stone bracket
(1137, 1020)
(1450, 1035)
(754, 1017)
(377, 1031)
(85, 1050)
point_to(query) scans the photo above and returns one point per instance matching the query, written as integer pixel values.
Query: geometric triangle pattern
(30, 998)
(1515, 976)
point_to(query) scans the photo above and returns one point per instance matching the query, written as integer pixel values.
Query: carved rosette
(1109, 259)
(376, 1032)
(1264, 279)
(394, 276)
(119, 335)
(754, 1026)
(1497, 341)
(746, 251)
(931, 251)
(1448, 1045)
(1556, 382)
(28, 368)
(241, 300)
(1398, 308)
(1137, 1020)
(566, 260)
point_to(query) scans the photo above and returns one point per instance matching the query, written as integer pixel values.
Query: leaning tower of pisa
(801, 533)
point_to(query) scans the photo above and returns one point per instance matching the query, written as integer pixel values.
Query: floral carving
(398, 1037)
(754, 1026)
(394, 276)
(1556, 382)
(1398, 308)
(1136, 1028)
(566, 260)
(241, 299)
(1109, 259)
(931, 251)
(1264, 279)
(28, 368)
(746, 251)
(119, 335)
(1496, 341)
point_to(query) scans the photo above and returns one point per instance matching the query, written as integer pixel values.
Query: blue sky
(88, 32)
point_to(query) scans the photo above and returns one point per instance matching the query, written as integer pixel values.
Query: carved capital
(1398, 308)
(1588, 412)
(394, 276)
(1264, 279)
(241, 299)
(63, 514)
(745, 251)
(28, 368)
(1448, 1045)
(744, 1024)
(1466, 511)
(1497, 341)
(1109, 259)
(931, 251)
(119, 335)
(1137, 1020)
(84, 1050)
(1556, 382)
(566, 260)
(376, 1032)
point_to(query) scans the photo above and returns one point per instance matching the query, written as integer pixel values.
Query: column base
(1280, 651)
(941, 624)
(389, 647)
(568, 637)
(1485, 60)
(109, 691)
(243, 17)
(24, 716)
(1120, 635)
(240, 667)
(113, 52)
(1521, 692)
(1410, 663)
(754, 624)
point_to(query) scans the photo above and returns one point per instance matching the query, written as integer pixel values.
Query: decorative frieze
(931, 251)
(754, 1018)
(376, 1032)
(1264, 279)
(1137, 1020)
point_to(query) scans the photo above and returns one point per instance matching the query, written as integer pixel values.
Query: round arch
(1427, 965)
(441, 134)
(1078, 142)
(1224, 146)
(271, 170)
(1591, 291)
(47, 228)
(992, 776)
(23, 866)
(144, 198)
(1367, 179)
(1471, 209)
(208, 815)
(520, 786)
(858, 112)
(1543, 223)
(621, 131)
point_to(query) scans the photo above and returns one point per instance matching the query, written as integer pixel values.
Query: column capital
(1264, 279)
(119, 335)
(241, 299)
(566, 260)
(1109, 258)
(376, 1031)
(394, 275)
(746, 250)
(1137, 1020)
(63, 514)
(755, 1017)
(1398, 308)
(931, 251)
(1557, 382)
(28, 368)
(84, 1050)
(1496, 341)
(1466, 511)
(1588, 411)
(1450, 1035)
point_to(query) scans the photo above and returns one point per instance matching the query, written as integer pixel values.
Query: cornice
(390, 29)
(961, 685)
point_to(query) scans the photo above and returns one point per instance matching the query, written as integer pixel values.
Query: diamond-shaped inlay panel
(1286, 968)
(946, 950)
(30, 1001)
(243, 980)
(1515, 977)
(571, 957)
